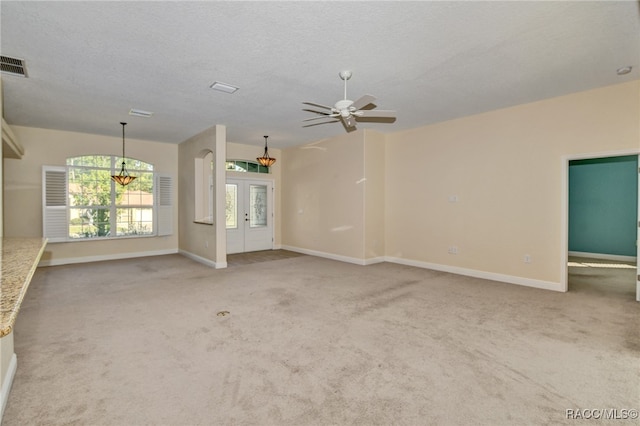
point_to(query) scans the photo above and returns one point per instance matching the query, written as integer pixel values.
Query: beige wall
(323, 196)
(237, 151)
(506, 168)
(23, 190)
(333, 201)
(374, 196)
(198, 240)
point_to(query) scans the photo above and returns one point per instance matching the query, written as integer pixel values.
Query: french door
(249, 213)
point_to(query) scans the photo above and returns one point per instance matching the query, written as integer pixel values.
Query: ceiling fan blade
(364, 101)
(317, 112)
(321, 117)
(375, 113)
(324, 122)
(317, 105)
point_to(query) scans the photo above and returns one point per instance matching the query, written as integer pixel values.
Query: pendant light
(123, 178)
(265, 160)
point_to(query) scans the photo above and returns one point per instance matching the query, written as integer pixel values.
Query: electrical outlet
(453, 250)
(206, 244)
(527, 258)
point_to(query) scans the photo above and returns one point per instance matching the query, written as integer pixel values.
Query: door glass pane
(257, 206)
(232, 206)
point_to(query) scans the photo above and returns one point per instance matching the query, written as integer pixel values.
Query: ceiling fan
(348, 111)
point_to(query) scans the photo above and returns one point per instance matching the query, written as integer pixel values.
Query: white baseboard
(601, 256)
(118, 256)
(203, 260)
(333, 256)
(511, 279)
(546, 285)
(7, 381)
(374, 260)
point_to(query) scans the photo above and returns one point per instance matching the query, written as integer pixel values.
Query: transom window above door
(245, 166)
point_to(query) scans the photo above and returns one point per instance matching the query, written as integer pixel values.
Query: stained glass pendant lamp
(123, 178)
(265, 160)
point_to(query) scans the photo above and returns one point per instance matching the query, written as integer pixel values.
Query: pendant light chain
(123, 178)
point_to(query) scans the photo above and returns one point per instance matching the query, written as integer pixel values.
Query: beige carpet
(239, 259)
(310, 341)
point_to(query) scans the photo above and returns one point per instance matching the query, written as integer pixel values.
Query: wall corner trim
(12, 141)
(204, 261)
(374, 260)
(510, 279)
(331, 256)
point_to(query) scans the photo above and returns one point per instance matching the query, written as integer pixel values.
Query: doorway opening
(601, 228)
(249, 215)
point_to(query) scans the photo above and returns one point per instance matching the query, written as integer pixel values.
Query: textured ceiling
(90, 62)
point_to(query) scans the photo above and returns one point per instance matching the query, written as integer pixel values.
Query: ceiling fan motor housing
(345, 75)
(344, 107)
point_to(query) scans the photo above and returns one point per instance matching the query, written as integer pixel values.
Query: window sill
(124, 237)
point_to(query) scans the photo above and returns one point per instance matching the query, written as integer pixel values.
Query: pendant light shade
(123, 178)
(265, 160)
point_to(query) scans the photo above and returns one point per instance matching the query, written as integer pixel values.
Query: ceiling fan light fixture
(123, 178)
(266, 160)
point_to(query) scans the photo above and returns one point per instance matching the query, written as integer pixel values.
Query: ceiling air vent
(13, 66)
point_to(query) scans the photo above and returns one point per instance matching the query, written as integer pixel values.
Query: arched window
(82, 202)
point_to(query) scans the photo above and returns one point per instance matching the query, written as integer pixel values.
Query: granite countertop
(19, 259)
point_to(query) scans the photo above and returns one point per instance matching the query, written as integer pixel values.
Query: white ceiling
(90, 62)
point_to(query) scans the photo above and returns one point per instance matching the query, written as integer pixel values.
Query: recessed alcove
(204, 188)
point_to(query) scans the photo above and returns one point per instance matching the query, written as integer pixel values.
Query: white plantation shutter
(164, 204)
(55, 225)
